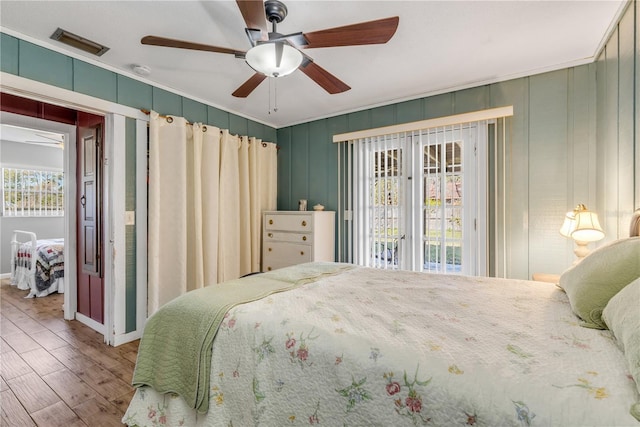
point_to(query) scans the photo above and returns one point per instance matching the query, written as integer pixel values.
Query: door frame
(114, 207)
(69, 169)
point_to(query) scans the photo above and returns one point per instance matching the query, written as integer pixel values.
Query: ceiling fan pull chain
(275, 95)
(269, 105)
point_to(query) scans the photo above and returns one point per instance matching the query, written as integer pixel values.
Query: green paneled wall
(134, 93)
(618, 121)
(549, 109)
(44, 65)
(130, 230)
(94, 81)
(516, 93)
(547, 190)
(573, 139)
(195, 111)
(8, 54)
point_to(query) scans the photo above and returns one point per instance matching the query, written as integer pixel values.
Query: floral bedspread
(371, 347)
(49, 267)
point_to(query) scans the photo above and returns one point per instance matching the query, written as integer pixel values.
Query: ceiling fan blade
(325, 79)
(254, 15)
(248, 86)
(181, 44)
(371, 32)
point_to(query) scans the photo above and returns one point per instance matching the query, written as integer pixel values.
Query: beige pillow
(622, 316)
(599, 276)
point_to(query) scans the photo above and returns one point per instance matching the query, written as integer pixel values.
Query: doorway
(85, 306)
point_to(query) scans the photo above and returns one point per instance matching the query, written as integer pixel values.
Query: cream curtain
(207, 191)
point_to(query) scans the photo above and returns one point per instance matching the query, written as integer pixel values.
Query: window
(412, 211)
(27, 193)
(420, 197)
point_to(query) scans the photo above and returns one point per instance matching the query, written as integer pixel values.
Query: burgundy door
(90, 263)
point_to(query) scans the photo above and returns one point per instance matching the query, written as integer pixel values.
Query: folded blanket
(174, 355)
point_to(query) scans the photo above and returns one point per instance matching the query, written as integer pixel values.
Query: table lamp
(582, 226)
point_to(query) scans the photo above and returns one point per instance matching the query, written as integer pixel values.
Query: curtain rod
(170, 120)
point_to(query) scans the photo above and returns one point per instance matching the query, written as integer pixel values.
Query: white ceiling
(439, 46)
(31, 136)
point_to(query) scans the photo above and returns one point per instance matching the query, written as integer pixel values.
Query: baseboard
(5, 276)
(98, 327)
(125, 338)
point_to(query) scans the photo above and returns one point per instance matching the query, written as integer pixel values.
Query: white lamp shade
(262, 58)
(587, 227)
(568, 225)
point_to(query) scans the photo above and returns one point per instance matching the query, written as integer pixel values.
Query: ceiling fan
(275, 55)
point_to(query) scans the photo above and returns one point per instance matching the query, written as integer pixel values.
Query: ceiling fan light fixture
(262, 58)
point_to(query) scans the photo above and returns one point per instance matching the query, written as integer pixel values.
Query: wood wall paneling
(472, 99)
(194, 111)
(516, 93)
(134, 93)
(626, 122)
(8, 54)
(217, 117)
(284, 169)
(438, 106)
(238, 125)
(609, 214)
(636, 204)
(548, 117)
(321, 164)
(94, 81)
(300, 164)
(44, 65)
(165, 102)
(130, 230)
(409, 111)
(360, 120)
(383, 116)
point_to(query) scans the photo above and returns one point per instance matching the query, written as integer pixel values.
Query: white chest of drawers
(294, 237)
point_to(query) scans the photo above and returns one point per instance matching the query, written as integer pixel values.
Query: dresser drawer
(281, 236)
(293, 222)
(279, 254)
(295, 237)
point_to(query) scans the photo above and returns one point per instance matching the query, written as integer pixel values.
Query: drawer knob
(269, 249)
(304, 238)
(301, 252)
(270, 234)
(268, 268)
(270, 222)
(304, 223)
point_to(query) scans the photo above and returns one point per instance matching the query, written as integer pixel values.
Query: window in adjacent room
(28, 193)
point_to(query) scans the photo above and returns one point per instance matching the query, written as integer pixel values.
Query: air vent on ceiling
(78, 42)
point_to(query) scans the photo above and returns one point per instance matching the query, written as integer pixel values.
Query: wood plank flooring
(55, 372)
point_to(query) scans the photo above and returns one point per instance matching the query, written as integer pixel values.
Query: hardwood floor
(55, 372)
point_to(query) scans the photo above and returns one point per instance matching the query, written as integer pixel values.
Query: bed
(340, 345)
(46, 274)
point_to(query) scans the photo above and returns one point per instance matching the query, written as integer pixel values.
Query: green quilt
(175, 351)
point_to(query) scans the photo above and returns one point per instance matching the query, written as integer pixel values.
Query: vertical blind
(32, 192)
(402, 196)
